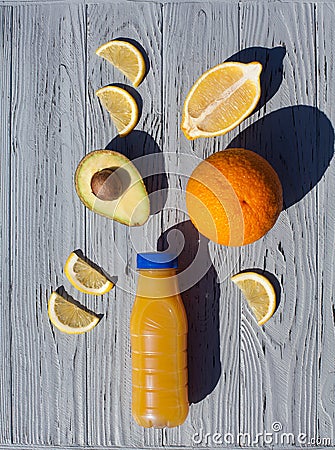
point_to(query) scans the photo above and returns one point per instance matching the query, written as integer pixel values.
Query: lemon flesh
(70, 317)
(221, 99)
(121, 106)
(86, 278)
(125, 57)
(259, 293)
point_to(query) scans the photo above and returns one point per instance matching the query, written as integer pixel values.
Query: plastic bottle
(158, 329)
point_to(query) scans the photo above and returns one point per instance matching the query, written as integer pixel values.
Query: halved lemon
(70, 317)
(125, 57)
(220, 99)
(121, 106)
(259, 294)
(86, 278)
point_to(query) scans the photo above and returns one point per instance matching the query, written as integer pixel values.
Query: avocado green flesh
(132, 207)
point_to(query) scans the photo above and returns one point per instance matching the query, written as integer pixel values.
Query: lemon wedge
(221, 99)
(259, 293)
(70, 317)
(86, 278)
(121, 106)
(125, 57)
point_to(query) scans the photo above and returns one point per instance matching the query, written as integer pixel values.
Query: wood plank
(76, 390)
(325, 15)
(5, 244)
(279, 360)
(48, 138)
(27, 2)
(193, 36)
(113, 245)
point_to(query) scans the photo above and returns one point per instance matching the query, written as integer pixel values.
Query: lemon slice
(84, 277)
(125, 57)
(259, 294)
(220, 99)
(121, 106)
(70, 317)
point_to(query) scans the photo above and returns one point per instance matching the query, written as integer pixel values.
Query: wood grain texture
(193, 36)
(76, 2)
(113, 245)
(48, 129)
(5, 244)
(279, 360)
(325, 15)
(75, 391)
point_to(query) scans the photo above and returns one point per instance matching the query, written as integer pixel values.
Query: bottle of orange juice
(158, 328)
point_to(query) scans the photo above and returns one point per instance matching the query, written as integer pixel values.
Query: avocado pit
(106, 184)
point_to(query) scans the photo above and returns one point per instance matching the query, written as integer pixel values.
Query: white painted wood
(5, 244)
(113, 245)
(279, 360)
(64, 391)
(197, 37)
(48, 137)
(325, 15)
(27, 2)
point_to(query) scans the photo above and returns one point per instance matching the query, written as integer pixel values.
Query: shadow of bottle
(298, 141)
(200, 293)
(146, 155)
(272, 73)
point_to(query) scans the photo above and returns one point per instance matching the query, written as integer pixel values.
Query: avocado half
(109, 184)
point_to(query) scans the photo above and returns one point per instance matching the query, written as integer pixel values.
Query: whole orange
(234, 197)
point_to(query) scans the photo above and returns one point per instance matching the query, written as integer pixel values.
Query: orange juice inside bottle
(158, 329)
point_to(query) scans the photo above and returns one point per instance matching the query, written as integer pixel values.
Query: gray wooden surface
(59, 391)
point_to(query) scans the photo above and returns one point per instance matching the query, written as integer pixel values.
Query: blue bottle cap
(158, 260)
